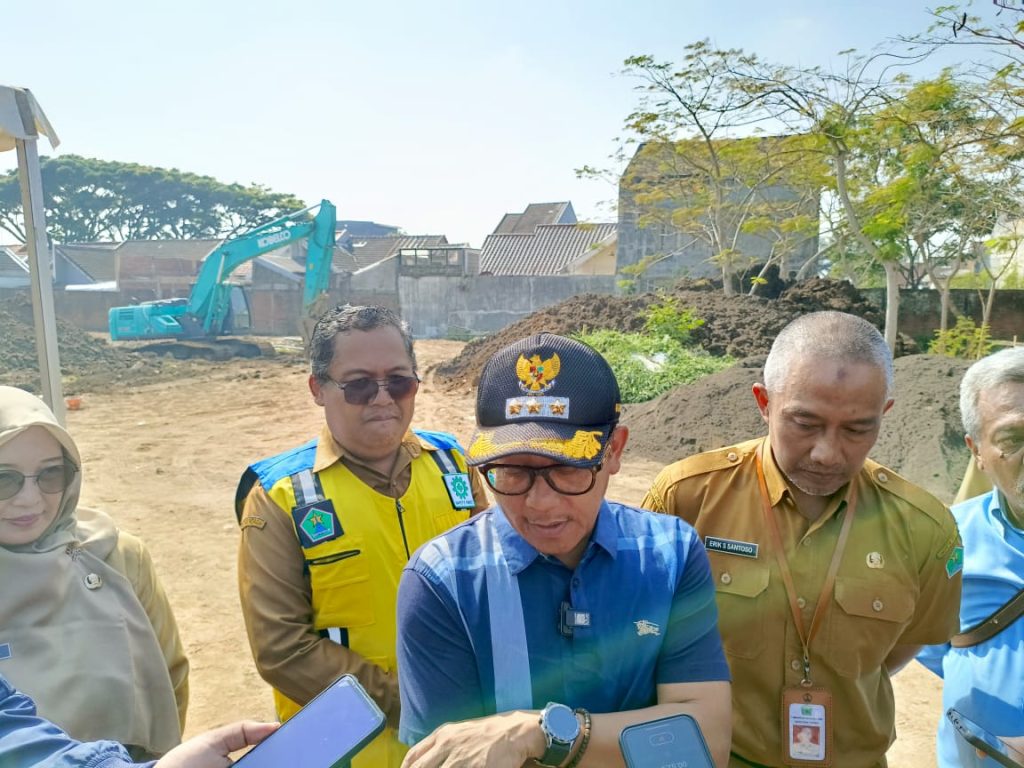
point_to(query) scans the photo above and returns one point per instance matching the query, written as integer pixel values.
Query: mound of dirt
(87, 363)
(739, 326)
(921, 437)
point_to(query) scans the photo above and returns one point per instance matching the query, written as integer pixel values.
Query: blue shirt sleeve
(27, 739)
(437, 674)
(692, 651)
(932, 655)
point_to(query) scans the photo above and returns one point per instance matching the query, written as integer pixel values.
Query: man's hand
(500, 741)
(211, 749)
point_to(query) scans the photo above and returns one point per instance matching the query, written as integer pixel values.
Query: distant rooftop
(535, 215)
(549, 250)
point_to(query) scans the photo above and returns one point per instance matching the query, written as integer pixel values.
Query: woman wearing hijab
(85, 627)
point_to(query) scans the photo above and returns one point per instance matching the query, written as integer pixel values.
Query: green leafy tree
(89, 200)
(694, 171)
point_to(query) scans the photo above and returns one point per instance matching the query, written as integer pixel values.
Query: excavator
(216, 307)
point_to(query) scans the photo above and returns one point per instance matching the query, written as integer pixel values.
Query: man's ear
(761, 396)
(317, 388)
(975, 450)
(616, 445)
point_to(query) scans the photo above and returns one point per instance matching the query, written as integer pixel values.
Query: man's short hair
(346, 318)
(995, 370)
(827, 336)
(546, 395)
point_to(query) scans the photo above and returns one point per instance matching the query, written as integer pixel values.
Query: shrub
(965, 340)
(646, 366)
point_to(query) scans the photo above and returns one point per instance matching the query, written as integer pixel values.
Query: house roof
(97, 260)
(370, 250)
(535, 215)
(148, 259)
(285, 261)
(546, 252)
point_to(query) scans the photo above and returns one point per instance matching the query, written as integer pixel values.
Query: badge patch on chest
(459, 490)
(317, 523)
(730, 546)
(5, 651)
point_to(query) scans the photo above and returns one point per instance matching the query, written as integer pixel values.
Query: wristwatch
(561, 729)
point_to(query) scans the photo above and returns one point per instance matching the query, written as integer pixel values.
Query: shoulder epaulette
(891, 482)
(274, 468)
(711, 461)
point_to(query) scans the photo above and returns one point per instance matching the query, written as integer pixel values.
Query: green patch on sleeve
(955, 563)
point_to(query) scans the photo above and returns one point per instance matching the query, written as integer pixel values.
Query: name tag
(730, 546)
(459, 490)
(5, 651)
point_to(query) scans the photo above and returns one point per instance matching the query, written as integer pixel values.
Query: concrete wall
(442, 306)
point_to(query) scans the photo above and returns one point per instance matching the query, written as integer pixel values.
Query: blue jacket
(28, 740)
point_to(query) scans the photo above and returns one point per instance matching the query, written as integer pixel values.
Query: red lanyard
(787, 577)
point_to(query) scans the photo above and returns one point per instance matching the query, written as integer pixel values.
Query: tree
(699, 168)
(88, 200)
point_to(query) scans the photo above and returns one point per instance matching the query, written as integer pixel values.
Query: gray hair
(995, 370)
(827, 336)
(346, 318)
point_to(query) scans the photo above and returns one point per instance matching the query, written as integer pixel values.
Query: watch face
(561, 723)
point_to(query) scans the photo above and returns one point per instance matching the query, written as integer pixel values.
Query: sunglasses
(53, 479)
(364, 391)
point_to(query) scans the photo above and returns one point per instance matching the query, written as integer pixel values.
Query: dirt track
(164, 459)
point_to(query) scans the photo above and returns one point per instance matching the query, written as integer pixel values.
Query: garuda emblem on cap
(536, 375)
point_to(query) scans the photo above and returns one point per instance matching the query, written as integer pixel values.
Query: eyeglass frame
(69, 472)
(544, 472)
(381, 384)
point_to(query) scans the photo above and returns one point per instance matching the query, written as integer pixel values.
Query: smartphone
(988, 743)
(665, 743)
(328, 731)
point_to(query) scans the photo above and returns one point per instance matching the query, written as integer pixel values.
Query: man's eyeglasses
(53, 479)
(516, 480)
(363, 391)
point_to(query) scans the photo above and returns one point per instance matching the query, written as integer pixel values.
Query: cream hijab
(73, 634)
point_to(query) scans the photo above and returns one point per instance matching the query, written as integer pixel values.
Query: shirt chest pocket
(741, 585)
(340, 584)
(866, 621)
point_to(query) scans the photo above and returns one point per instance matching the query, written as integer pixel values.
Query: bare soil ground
(163, 458)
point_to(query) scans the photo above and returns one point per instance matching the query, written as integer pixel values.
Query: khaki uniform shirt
(275, 589)
(898, 583)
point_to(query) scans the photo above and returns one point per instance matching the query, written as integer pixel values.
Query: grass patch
(646, 365)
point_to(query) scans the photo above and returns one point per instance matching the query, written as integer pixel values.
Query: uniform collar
(520, 554)
(329, 451)
(778, 485)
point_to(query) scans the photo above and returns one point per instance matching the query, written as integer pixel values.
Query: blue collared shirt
(984, 682)
(27, 739)
(643, 584)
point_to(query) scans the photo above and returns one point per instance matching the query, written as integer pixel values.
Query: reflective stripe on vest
(445, 461)
(512, 683)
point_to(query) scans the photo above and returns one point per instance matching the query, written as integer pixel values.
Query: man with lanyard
(830, 570)
(548, 623)
(983, 666)
(327, 527)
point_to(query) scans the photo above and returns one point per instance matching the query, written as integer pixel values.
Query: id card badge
(807, 727)
(459, 490)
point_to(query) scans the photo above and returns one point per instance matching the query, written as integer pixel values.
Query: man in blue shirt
(599, 613)
(27, 739)
(985, 681)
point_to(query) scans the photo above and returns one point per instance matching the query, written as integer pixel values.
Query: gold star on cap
(532, 406)
(514, 409)
(558, 408)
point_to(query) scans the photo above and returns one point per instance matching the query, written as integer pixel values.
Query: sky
(434, 116)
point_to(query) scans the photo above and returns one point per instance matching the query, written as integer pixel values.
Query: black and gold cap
(547, 395)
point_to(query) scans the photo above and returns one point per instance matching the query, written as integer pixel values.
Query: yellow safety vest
(354, 576)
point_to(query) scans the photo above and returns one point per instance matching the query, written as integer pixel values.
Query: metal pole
(43, 312)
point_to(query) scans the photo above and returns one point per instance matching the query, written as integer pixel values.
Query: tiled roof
(97, 260)
(370, 250)
(535, 215)
(286, 261)
(549, 251)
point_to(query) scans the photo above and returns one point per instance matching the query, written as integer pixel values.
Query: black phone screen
(670, 741)
(331, 728)
(988, 743)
